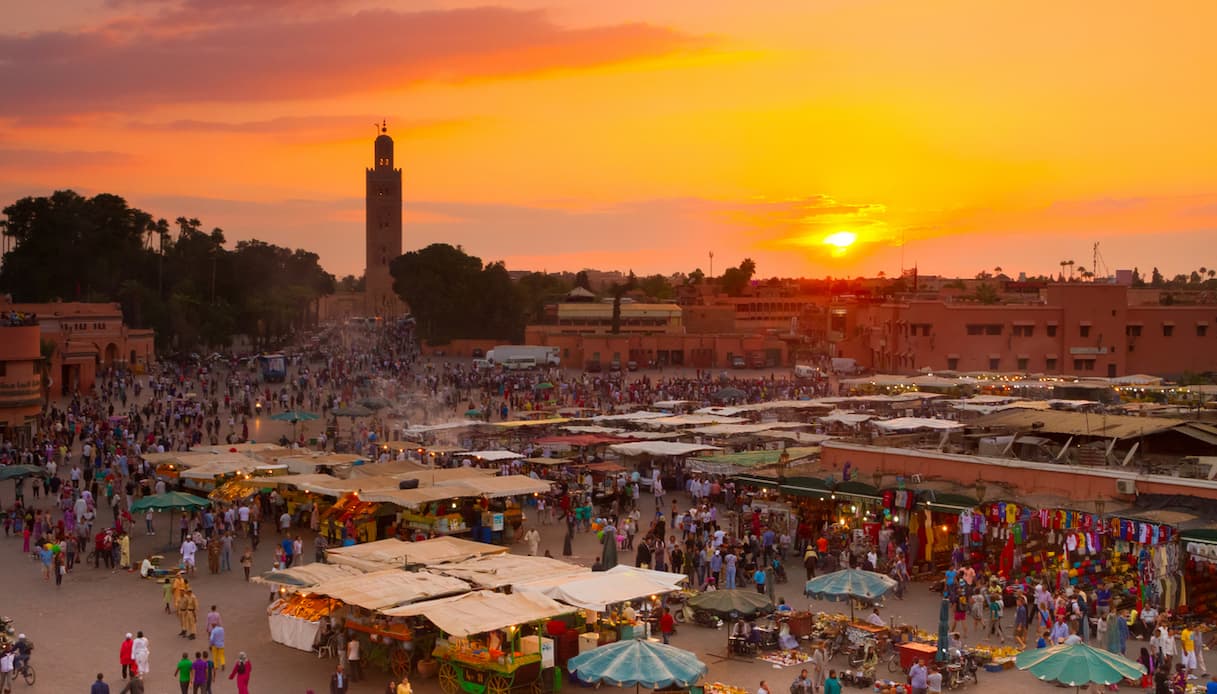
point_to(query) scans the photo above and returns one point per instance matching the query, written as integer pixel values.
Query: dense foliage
(181, 281)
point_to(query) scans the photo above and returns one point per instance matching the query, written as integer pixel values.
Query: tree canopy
(736, 279)
(452, 294)
(181, 281)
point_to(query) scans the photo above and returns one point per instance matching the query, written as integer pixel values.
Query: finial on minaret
(384, 126)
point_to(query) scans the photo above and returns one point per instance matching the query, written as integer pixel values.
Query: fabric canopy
(508, 569)
(637, 662)
(660, 448)
(394, 553)
(496, 487)
(598, 590)
(307, 575)
(1078, 665)
(494, 456)
(914, 423)
(482, 611)
(384, 589)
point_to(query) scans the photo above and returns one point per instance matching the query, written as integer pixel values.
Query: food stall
(483, 648)
(386, 639)
(296, 617)
(424, 510)
(598, 594)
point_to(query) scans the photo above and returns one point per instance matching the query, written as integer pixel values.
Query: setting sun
(841, 239)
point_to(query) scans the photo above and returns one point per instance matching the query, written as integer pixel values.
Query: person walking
(353, 658)
(140, 653)
(124, 656)
(216, 640)
(99, 685)
(6, 670)
(241, 672)
(198, 673)
(135, 685)
(667, 625)
(533, 539)
(182, 670)
(339, 681)
(247, 562)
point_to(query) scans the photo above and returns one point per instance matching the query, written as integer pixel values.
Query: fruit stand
(484, 647)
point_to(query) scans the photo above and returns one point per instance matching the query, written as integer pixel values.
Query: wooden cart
(466, 673)
(400, 640)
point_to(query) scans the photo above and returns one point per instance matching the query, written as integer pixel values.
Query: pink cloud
(131, 65)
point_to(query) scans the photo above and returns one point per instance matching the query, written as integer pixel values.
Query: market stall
(367, 599)
(296, 618)
(483, 650)
(598, 594)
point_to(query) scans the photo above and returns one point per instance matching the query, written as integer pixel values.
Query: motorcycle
(962, 669)
(701, 618)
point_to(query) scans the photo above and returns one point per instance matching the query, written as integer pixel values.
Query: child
(168, 594)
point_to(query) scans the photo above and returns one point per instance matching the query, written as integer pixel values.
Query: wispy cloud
(133, 64)
(24, 159)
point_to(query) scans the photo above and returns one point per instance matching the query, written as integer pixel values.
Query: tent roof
(482, 611)
(496, 487)
(396, 553)
(521, 423)
(735, 429)
(500, 570)
(660, 448)
(596, 591)
(384, 589)
(491, 456)
(689, 420)
(307, 575)
(1079, 423)
(915, 423)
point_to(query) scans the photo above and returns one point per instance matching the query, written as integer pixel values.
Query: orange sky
(950, 134)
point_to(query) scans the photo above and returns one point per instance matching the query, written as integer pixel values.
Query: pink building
(1080, 329)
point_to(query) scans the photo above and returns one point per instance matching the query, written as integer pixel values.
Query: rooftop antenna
(711, 264)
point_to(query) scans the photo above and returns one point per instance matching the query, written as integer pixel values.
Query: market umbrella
(294, 416)
(732, 604)
(1078, 665)
(544, 385)
(9, 472)
(375, 403)
(944, 630)
(637, 662)
(850, 584)
(351, 411)
(169, 501)
(729, 393)
(473, 413)
(608, 555)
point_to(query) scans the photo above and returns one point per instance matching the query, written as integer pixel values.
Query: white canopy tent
(659, 448)
(482, 611)
(915, 423)
(596, 591)
(384, 589)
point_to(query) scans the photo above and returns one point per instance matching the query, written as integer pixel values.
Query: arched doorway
(131, 361)
(111, 355)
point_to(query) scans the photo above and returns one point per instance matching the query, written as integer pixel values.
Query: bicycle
(26, 671)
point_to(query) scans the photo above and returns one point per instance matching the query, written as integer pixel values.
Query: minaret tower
(383, 236)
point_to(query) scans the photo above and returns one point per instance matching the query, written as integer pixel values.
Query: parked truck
(513, 356)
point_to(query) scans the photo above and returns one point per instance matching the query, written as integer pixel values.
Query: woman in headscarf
(1113, 644)
(240, 672)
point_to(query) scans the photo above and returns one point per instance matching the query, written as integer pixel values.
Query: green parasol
(732, 604)
(638, 662)
(9, 472)
(1078, 665)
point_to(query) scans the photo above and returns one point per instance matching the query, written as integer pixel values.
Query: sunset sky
(953, 135)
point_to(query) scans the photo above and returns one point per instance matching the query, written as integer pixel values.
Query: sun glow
(841, 239)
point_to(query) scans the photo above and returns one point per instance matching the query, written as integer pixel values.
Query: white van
(482, 364)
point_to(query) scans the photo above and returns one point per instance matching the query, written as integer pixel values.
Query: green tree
(452, 295)
(618, 290)
(536, 290)
(736, 279)
(987, 294)
(1137, 280)
(656, 287)
(582, 280)
(696, 277)
(1156, 279)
